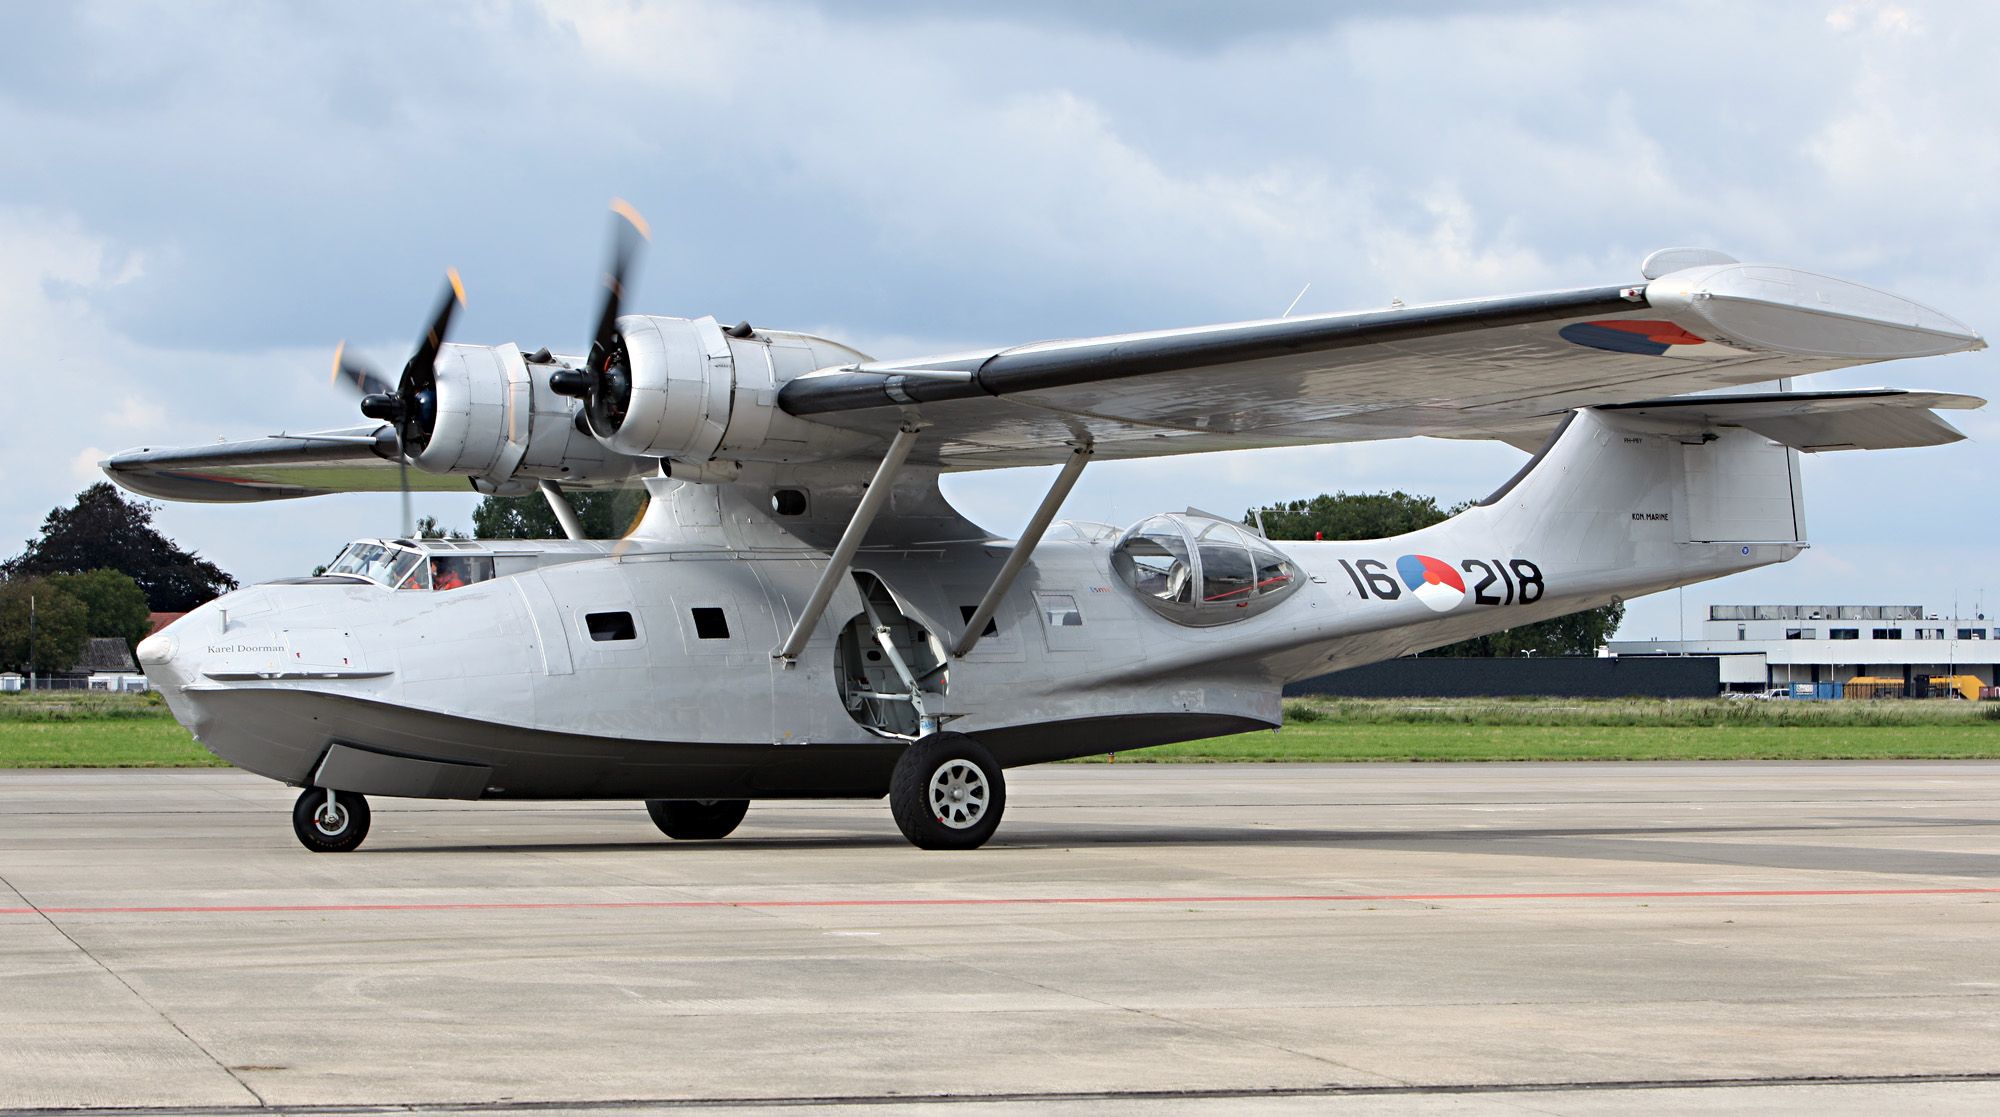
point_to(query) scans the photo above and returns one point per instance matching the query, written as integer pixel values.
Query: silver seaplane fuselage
(645, 669)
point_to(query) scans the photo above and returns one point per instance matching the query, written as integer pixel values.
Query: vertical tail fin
(1620, 506)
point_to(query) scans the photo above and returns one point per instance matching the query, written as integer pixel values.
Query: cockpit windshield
(384, 564)
(406, 567)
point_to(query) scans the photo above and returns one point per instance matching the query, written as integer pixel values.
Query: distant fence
(126, 684)
(1441, 677)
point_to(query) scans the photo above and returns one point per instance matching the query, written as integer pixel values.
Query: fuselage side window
(710, 623)
(965, 614)
(1059, 610)
(610, 626)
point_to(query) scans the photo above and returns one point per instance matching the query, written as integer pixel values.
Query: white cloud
(83, 469)
(1872, 16)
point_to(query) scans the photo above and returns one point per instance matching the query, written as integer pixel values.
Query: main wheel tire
(701, 820)
(336, 830)
(947, 792)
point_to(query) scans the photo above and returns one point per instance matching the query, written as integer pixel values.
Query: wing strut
(565, 512)
(872, 501)
(1023, 547)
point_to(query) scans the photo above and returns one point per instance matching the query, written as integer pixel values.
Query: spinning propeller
(604, 382)
(410, 404)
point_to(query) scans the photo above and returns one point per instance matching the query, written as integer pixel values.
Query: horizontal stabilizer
(1861, 419)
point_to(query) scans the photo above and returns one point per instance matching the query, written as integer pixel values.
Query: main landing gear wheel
(697, 819)
(947, 793)
(330, 821)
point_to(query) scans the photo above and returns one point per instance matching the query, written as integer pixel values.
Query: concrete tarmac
(1506, 938)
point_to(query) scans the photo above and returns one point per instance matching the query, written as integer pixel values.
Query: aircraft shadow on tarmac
(1603, 843)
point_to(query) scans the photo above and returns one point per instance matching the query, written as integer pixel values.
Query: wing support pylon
(565, 512)
(1023, 547)
(879, 487)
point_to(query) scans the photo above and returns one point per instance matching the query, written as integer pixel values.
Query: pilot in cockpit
(448, 573)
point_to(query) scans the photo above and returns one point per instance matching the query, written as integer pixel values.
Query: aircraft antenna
(1295, 300)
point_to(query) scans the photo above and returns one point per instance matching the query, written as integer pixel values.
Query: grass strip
(85, 730)
(1324, 742)
(127, 743)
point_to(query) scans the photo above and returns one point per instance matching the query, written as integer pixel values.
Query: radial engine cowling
(494, 420)
(687, 390)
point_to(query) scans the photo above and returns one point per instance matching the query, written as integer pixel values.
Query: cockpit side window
(419, 578)
(450, 572)
(398, 567)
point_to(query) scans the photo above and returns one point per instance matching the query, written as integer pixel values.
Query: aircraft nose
(156, 649)
(173, 657)
(160, 657)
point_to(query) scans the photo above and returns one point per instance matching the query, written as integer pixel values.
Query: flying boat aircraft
(799, 613)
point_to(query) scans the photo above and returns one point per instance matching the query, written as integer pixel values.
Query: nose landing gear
(330, 822)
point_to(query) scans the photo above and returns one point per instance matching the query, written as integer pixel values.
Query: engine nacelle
(699, 393)
(497, 422)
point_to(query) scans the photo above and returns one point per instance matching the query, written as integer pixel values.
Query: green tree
(606, 514)
(1379, 515)
(428, 528)
(1572, 634)
(1351, 516)
(37, 616)
(116, 604)
(103, 530)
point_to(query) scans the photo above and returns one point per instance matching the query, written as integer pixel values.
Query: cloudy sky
(197, 200)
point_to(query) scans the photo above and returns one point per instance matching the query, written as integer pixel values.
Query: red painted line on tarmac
(1386, 897)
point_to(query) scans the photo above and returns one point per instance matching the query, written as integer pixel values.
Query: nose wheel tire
(947, 793)
(330, 821)
(697, 819)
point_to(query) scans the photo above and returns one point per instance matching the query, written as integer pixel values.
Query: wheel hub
(958, 794)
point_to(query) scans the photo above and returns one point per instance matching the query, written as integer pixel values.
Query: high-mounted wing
(458, 417)
(354, 460)
(500, 420)
(1490, 368)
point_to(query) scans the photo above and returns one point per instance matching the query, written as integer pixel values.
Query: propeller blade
(454, 297)
(358, 375)
(410, 401)
(624, 543)
(416, 390)
(627, 231)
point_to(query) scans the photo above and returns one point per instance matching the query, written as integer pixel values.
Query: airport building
(1769, 646)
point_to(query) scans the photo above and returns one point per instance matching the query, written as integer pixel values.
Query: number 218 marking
(1520, 580)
